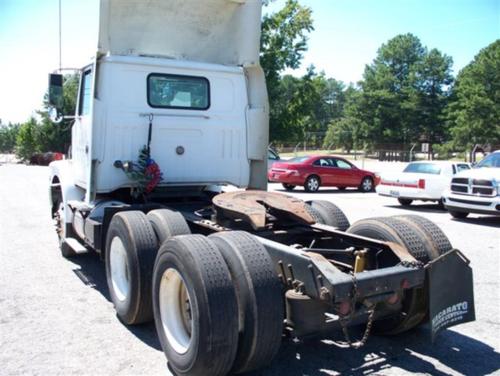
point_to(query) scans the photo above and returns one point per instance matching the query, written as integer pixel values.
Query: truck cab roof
(216, 31)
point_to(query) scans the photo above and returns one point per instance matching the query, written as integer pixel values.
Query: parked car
(476, 190)
(43, 159)
(312, 172)
(425, 181)
(272, 156)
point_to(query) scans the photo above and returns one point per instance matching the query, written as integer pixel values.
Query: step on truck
(173, 109)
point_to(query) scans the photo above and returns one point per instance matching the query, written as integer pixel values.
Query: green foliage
(283, 42)
(404, 93)
(44, 136)
(57, 137)
(305, 106)
(474, 113)
(284, 39)
(344, 133)
(8, 135)
(27, 140)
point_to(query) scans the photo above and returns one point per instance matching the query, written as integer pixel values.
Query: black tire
(132, 301)
(458, 214)
(167, 223)
(327, 213)
(341, 188)
(414, 304)
(312, 183)
(212, 306)
(440, 205)
(440, 241)
(288, 187)
(366, 185)
(63, 230)
(405, 201)
(260, 300)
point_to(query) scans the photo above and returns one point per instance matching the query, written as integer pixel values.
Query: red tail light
(421, 183)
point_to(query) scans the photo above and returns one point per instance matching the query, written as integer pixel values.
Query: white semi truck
(176, 86)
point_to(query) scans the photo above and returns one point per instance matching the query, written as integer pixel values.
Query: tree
(57, 137)
(344, 133)
(430, 94)
(284, 39)
(403, 93)
(27, 140)
(8, 134)
(474, 112)
(283, 42)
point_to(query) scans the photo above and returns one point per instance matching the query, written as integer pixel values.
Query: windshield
(298, 159)
(492, 160)
(423, 168)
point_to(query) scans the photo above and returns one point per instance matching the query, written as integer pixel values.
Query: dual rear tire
(234, 304)
(216, 302)
(425, 241)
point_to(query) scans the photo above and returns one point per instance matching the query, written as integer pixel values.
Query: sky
(346, 37)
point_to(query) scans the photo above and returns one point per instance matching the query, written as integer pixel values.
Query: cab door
(82, 128)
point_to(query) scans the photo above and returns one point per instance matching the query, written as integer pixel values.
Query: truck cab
(476, 190)
(168, 83)
(176, 87)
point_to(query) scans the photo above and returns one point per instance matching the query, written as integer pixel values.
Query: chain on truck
(172, 110)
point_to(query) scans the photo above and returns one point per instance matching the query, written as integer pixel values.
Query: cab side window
(85, 94)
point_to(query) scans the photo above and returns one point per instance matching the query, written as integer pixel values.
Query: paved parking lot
(56, 316)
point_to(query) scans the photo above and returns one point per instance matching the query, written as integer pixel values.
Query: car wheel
(459, 215)
(440, 204)
(288, 187)
(312, 184)
(405, 201)
(366, 184)
(341, 188)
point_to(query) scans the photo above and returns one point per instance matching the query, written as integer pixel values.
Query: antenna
(60, 48)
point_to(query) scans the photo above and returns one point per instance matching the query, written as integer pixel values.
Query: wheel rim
(312, 184)
(60, 225)
(367, 185)
(119, 269)
(175, 311)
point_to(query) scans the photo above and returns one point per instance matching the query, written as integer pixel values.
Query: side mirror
(56, 91)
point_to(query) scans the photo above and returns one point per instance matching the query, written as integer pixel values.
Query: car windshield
(298, 160)
(423, 168)
(492, 160)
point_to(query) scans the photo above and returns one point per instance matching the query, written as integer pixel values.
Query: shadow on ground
(416, 208)
(90, 270)
(490, 221)
(412, 352)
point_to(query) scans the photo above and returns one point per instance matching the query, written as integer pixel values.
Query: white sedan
(423, 181)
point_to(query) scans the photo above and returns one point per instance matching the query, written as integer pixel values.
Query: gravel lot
(56, 316)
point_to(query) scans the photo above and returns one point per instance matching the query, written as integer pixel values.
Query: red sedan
(321, 170)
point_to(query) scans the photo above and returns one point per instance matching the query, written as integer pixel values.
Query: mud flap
(451, 295)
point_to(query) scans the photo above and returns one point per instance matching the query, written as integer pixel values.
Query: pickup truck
(476, 190)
